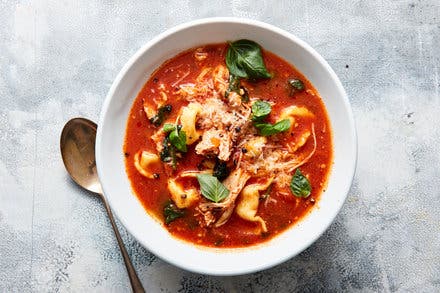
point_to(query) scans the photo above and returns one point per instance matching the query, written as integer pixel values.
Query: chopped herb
(244, 59)
(161, 115)
(221, 170)
(260, 110)
(167, 127)
(168, 153)
(178, 139)
(171, 212)
(173, 142)
(211, 188)
(266, 129)
(296, 85)
(234, 85)
(300, 185)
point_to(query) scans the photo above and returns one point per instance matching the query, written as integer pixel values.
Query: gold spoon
(78, 151)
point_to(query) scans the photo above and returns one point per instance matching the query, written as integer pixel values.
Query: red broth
(281, 211)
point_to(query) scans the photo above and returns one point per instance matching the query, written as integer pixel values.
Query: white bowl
(149, 232)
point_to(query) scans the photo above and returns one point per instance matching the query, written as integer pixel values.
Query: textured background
(58, 60)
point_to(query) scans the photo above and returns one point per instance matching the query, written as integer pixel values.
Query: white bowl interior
(153, 235)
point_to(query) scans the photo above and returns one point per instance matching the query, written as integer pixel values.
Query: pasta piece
(188, 121)
(301, 141)
(183, 198)
(144, 162)
(248, 201)
(297, 111)
(290, 112)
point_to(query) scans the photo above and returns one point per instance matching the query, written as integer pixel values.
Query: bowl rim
(259, 24)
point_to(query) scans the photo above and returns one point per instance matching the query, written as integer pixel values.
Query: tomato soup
(228, 145)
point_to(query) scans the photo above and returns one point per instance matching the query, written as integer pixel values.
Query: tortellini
(300, 141)
(290, 112)
(248, 201)
(145, 162)
(182, 197)
(188, 121)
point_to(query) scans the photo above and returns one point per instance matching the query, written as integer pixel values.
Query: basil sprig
(266, 129)
(178, 139)
(211, 188)
(168, 127)
(300, 185)
(173, 142)
(245, 60)
(260, 110)
(176, 136)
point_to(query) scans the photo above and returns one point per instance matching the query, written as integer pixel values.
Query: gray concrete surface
(58, 60)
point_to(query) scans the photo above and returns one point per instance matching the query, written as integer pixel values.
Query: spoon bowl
(78, 152)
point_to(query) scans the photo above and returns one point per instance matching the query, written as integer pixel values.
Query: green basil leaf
(178, 139)
(244, 59)
(167, 127)
(172, 212)
(300, 185)
(260, 110)
(212, 188)
(282, 125)
(266, 129)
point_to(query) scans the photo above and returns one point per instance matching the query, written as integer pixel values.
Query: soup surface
(228, 145)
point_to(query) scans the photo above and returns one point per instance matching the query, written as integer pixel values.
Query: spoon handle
(134, 279)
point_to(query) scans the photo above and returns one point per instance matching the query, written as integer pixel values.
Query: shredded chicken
(234, 183)
(222, 127)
